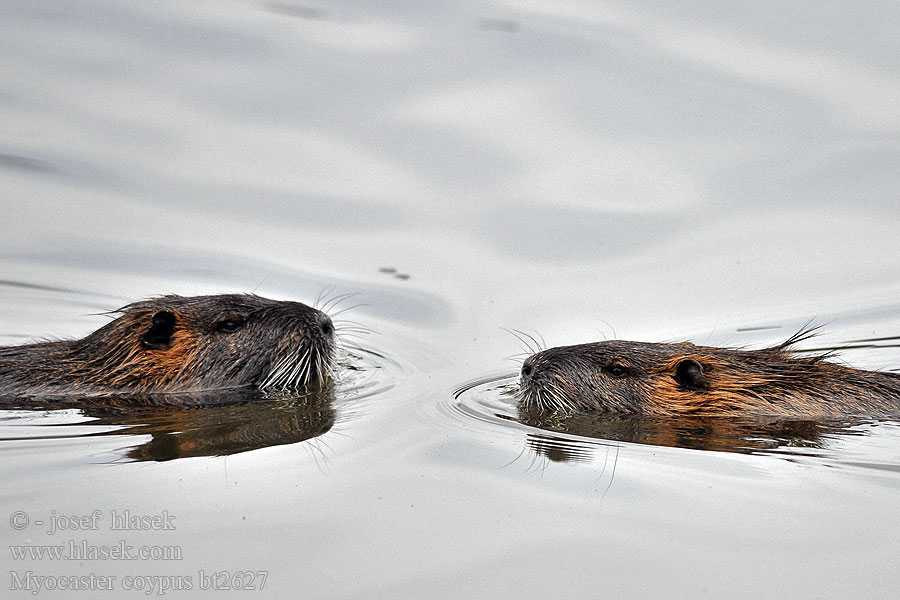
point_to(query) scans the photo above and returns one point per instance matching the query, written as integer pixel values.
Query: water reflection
(559, 449)
(202, 425)
(751, 435)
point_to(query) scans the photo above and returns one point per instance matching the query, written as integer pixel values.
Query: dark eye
(617, 370)
(229, 325)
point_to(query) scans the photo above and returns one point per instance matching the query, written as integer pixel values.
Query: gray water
(716, 172)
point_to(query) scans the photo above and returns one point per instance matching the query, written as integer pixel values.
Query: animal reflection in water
(717, 434)
(211, 425)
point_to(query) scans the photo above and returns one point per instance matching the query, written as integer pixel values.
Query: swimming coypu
(176, 344)
(674, 380)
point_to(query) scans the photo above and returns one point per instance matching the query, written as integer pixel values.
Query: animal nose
(325, 325)
(528, 368)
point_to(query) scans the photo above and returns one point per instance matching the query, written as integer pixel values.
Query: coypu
(180, 345)
(681, 380)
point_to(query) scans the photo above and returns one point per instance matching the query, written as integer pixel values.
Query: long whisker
(333, 303)
(324, 292)
(349, 308)
(298, 369)
(527, 349)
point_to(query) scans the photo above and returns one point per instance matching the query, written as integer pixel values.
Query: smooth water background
(720, 172)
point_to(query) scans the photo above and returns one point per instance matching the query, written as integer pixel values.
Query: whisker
(527, 349)
(343, 329)
(529, 341)
(532, 338)
(349, 308)
(324, 291)
(334, 302)
(295, 373)
(342, 326)
(274, 377)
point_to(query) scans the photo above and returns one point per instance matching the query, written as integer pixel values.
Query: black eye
(229, 325)
(617, 370)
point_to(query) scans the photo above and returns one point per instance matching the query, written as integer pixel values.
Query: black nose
(325, 325)
(528, 368)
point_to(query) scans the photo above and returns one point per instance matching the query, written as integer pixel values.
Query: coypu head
(175, 343)
(687, 380)
(613, 376)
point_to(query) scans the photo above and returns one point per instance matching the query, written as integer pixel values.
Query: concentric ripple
(490, 403)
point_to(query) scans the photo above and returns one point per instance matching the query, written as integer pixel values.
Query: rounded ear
(689, 375)
(159, 336)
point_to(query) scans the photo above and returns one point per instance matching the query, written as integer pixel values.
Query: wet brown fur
(672, 380)
(187, 351)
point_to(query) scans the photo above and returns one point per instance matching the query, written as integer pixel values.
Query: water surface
(576, 171)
